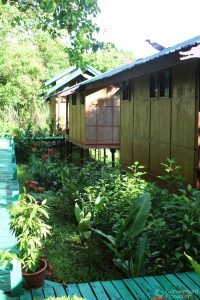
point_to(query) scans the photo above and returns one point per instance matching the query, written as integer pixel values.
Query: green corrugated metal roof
(75, 73)
(60, 75)
(69, 70)
(192, 42)
(63, 82)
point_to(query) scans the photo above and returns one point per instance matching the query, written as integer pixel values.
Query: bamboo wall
(154, 129)
(95, 124)
(58, 111)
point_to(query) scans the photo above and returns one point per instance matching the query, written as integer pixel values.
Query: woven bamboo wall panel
(103, 138)
(141, 119)
(126, 150)
(141, 152)
(185, 158)
(141, 88)
(160, 120)
(183, 123)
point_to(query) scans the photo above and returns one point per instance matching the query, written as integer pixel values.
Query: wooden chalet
(159, 112)
(64, 80)
(93, 117)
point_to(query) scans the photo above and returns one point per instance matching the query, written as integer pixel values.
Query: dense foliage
(28, 58)
(75, 18)
(148, 229)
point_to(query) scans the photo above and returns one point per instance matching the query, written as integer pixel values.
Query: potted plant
(28, 226)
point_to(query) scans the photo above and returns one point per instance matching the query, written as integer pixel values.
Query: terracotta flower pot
(35, 280)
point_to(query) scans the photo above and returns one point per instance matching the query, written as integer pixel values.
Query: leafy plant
(6, 258)
(85, 220)
(194, 264)
(130, 234)
(28, 226)
(172, 177)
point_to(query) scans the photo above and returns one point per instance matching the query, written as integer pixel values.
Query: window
(164, 83)
(82, 97)
(153, 86)
(160, 84)
(74, 99)
(126, 90)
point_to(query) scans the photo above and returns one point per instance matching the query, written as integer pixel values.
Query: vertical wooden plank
(70, 117)
(160, 134)
(184, 121)
(141, 132)
(126, 132)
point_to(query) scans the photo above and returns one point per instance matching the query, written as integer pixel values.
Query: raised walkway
(9, 191)
(169, 286)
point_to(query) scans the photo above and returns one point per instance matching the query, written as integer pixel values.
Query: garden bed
(94, 210)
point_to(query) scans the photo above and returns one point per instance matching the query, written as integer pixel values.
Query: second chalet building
(64, 80)
(159, 111)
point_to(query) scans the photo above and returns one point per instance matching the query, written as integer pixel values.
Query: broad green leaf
(135, 222)
(110, 238)
(194, 264)
(77, 212)
(140, 254)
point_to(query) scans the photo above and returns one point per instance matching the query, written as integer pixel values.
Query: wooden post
(87, 154)
(113, 156)
(104, 156)
(81, 156)
(70, 149)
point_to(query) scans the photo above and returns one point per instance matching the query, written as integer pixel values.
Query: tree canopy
(74, 19)
(30, 56)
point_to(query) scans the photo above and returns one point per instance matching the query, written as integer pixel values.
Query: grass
(72, 260)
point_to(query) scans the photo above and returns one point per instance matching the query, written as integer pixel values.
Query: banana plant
(131, 234)
(84, 218)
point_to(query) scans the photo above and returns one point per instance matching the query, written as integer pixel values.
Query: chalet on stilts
(64, 80)
(159, 110)
(93, 118)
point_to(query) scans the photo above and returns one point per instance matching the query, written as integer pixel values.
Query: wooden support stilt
(113, 156)
(81, 155)
(104, 156)
(70, 150)
(87, 154)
